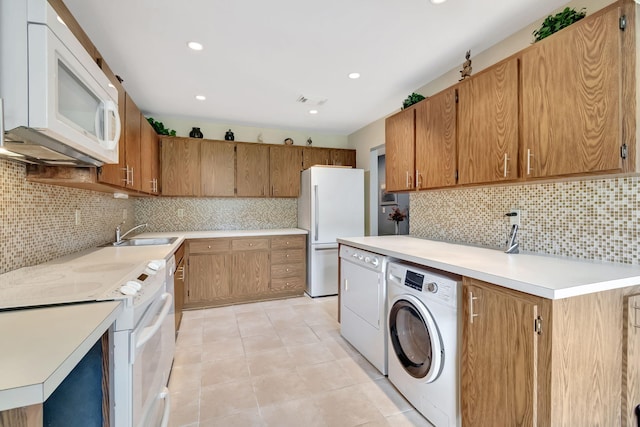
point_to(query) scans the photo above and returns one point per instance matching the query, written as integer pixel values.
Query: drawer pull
(472, 315)
(287, 255)
(250, 244)
(287, 270)
(209, 246)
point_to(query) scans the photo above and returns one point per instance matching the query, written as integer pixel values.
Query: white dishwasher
(363, 303)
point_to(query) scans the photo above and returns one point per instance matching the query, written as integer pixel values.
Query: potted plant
(159, 127)
(555, 23)
(412, 99)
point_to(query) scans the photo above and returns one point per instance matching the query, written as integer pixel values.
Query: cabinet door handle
(529, 155)
(418, 183)
(126, 175)
(471, 313)
(506, 159)
(346, 285)
(131, 177)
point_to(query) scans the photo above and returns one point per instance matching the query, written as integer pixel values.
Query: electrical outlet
(384, 209)
(515, 219)
(77, 217)
(180, 213)
(124, 214)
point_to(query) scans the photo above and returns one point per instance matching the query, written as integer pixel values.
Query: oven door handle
(150, 331)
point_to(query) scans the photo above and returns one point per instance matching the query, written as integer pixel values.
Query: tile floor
(278, 363)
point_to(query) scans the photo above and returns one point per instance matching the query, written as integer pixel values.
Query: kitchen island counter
(41, 346)
(545, 276)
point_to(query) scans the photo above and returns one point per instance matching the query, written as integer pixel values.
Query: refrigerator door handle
(332, 248)
(316, 211)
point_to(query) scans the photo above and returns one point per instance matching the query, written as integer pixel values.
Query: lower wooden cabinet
(531, 361)
(224, 271)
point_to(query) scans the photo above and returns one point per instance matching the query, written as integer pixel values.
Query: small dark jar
(229, 136)
(195, 133)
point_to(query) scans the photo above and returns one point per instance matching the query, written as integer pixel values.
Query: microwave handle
(110, 106)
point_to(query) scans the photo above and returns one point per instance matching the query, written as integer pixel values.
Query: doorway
(382, 203)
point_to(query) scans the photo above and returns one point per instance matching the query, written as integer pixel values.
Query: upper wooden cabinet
(252, 170)
(180, 167)
(313, 156)
(488, 125)
(285, 164)
(435, 151)
(399, 150)
(217, 168)
(571, 92)
(149, 158)
(137, 167)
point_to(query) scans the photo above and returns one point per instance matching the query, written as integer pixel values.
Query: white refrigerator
(331, 205)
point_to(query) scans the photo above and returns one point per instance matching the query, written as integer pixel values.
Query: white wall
(212, 130)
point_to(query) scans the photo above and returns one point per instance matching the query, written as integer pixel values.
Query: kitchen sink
(144, 241)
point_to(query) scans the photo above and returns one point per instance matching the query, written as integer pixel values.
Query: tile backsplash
(591, 219)
(192, 214)
(38, 221)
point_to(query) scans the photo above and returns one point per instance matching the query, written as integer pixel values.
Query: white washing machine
(363, 303)
(423, 335)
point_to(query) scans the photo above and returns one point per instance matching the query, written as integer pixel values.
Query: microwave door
(66, 101)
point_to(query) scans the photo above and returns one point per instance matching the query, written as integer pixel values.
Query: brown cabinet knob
(209, 246)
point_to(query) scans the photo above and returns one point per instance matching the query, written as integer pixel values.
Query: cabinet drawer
(291, 256)
(249, 244)
(287, 270)
(288, 283)
(207, 246)
(283, 242)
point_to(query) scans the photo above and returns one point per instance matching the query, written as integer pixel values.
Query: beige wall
(38, 221)
(212, 130)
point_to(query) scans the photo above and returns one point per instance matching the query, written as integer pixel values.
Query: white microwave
(59, 106)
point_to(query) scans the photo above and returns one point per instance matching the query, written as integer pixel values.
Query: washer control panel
(441, 286)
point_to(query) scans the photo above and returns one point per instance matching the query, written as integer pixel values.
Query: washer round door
(415, 338)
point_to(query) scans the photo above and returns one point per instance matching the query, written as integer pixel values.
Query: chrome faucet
(119, 236)
(512, 245)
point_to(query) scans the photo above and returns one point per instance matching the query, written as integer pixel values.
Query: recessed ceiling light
(354, 75)
(195, 45)
(437, 1)
(201, 97)
(313, 111)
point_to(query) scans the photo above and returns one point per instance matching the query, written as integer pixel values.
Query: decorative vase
(229, 136)
(397, 227)
(195, 133)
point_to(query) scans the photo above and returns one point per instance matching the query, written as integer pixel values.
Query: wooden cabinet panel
(500, 357)
(488, 125)
(209, 277)
(436, 154)
(287, 270)
(284, 242)
(179, 288)
(571, 100)
(631, 369)
(250, 272)
(180, 167)
(288, 256)
(209, 246)
(285, 164)
(343, 158)
(217, 168)
(251, 244)
(149, 158)
(399, 150)
(315, 156)
(252, 170)
(288, 283)
(132, 143)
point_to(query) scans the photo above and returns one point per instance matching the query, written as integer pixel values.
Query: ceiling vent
(311, 100)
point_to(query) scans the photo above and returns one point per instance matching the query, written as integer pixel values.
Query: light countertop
(546, 276)
(41, 346)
